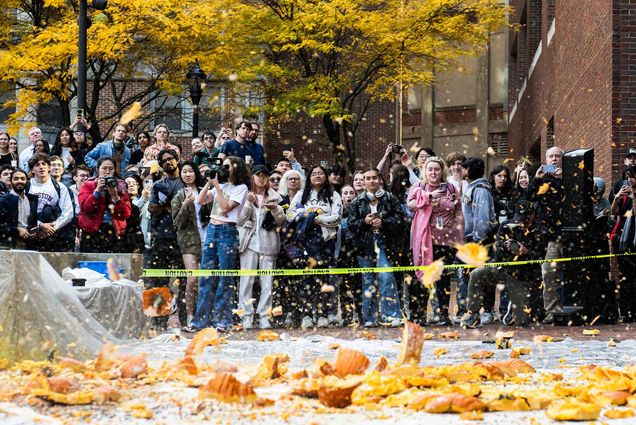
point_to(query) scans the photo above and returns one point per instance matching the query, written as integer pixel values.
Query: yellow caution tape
(304, 272)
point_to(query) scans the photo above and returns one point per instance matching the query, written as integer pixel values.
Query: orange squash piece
(349, 362)
(157, 302)
(412, 341)
(225, 387)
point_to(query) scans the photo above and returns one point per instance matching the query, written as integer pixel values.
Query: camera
(110, 182)
(396, 149)
(217, 170)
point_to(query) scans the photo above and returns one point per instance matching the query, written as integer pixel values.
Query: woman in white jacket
(320, 203)
(259, 245)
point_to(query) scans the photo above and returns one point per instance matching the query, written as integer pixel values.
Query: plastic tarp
(117, 306)
(41, 314)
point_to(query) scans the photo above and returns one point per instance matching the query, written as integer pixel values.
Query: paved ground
(623, 331)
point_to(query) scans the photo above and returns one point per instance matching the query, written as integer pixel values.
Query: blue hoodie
(479, 211)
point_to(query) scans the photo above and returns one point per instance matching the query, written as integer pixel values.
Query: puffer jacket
(92, 209)
(247, 225)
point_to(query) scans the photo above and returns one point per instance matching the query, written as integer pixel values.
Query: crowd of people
(228, 208)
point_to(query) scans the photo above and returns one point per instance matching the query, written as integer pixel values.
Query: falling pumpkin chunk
(157, 302)
(412, 341)
(472, 253)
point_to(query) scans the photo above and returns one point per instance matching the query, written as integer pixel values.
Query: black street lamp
(83, 23)
(196, 77)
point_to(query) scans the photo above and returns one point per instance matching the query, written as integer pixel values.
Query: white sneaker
(264, 323)
(247, 323)
(487, 318)
(396, 323)
(307, 323)
(323, 322)
(190, 317)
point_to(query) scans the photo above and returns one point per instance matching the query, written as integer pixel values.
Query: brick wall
(572, 82)
(311, 145)
(624, 82)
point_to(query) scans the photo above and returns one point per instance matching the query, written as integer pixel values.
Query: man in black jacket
(517, 240)
(546, 190)
(18, 213)
(375, 219)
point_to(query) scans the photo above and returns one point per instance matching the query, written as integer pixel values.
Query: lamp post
(195, 77)
(84, 22)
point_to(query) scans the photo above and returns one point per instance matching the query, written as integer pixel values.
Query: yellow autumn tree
(138, 50)
(330, 59)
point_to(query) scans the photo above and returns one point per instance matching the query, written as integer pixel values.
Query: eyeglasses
(274, 179)
(317, 174)
(171, 158)
(293, 178)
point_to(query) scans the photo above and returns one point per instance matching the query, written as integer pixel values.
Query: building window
(499, 143)
(549, 134)
(50, 120)
(169, 111)
(534, 26)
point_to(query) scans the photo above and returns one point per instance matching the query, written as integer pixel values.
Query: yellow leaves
(472, 253)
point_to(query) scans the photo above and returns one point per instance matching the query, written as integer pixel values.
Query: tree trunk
(333, 134)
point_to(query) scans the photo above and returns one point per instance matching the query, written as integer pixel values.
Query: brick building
(572, 79)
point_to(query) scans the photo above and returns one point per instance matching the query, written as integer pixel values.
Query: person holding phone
(438, 225)
(375, 218)
(546, 190)
(226, 189)
(623, 240)
(259, 245)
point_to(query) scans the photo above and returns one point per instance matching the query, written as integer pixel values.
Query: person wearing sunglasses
(226, 188)
(274, 180)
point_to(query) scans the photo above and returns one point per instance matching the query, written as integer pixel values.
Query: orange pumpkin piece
(617, 398)
(573, 410)
(454, 403)
(203, 338)
(267, 335)
(619, 413)
(334, 392)
(350, 362)
(63, 384)
(449, 335)
(412, 341)
(134, 366)
(105, 393)
(225, 387)
(383, 363)
(273, 366)
(157, 302)
(69, 363)
(306, 387)
(483, 354)
(513, 367)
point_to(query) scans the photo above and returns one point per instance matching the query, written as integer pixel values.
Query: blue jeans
(217, 294)
(389, 298)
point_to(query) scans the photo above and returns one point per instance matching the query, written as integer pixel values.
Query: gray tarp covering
(40, 312)
(117, 306)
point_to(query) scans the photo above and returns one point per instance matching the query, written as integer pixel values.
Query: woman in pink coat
(437, 226)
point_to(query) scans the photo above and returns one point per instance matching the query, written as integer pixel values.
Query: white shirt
(237, 194)
(47, 195)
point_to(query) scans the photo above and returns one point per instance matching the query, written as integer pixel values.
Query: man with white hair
(35, 135)
(547, 191)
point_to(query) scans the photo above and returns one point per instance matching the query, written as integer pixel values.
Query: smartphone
(248, 159)
(443, 186)
(80, 113)
(287, 147)
(549, 168)
(34, 229)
